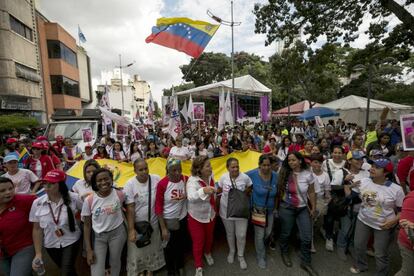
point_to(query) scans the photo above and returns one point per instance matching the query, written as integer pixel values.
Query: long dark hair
(285, 170)
(64, 192)
(131, 149)
(197, 151)
(91, 162)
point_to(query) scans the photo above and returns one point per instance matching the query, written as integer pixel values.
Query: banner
(264, 108)
(174, 127)
(166, 110)
(198, 111)
(122, 172)
(407, 131)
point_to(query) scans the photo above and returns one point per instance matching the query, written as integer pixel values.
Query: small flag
(190, 110)
(183, 34)
(174, 127)
(222, 113)
(82, 37)
(228, 111)
(24, 154)
(184, 111)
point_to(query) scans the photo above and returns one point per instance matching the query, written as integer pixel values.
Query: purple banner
(264, 108)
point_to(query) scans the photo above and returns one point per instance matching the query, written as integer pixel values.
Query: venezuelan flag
(23, 155)
(183, 34)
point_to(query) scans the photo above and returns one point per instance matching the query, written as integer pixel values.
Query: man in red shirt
(406, 243)
(405, 172)
(16, 242)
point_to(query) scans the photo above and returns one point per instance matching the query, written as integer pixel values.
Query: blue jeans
(346, 232)
(261, 234)
(20, 264)
(288, 217)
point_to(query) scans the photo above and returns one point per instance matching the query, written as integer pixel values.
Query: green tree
(16, 121)
(338, 20)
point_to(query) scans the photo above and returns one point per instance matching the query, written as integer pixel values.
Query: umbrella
(318, 111)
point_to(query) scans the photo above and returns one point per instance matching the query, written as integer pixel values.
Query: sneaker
(329, 245)
(286, 260)
(355, 270)
(341, 252)
(261, 263)
(230, 258)
(370, 252)
(272, 245)
(243, 264)
(209, 259)
(199, 271)
(313, 249)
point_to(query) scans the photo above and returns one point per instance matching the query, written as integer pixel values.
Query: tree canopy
(338, 20)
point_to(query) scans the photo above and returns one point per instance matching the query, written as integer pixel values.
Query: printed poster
(407, 131)
(87, 135)
(198, 111)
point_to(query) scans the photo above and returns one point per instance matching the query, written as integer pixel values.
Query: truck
(68, 124)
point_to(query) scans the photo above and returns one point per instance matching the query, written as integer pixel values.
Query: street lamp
(122, 85)
(231, 24)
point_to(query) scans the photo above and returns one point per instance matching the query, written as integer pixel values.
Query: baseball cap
(54, 176)
(375, 152)
(383, 163)
(356, 154)
(11, 140)
(10, 157)
(38, 145)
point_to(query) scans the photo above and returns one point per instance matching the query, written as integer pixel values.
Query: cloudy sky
(114, 27)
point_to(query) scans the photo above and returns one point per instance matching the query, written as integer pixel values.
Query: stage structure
(247, 91)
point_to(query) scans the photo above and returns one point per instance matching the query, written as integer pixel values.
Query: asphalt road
(326, 263)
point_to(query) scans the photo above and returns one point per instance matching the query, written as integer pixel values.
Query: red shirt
(15, 228)
(402, 171)
(46, 165)
(407, 212)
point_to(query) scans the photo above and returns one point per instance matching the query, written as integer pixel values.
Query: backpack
(338, 206)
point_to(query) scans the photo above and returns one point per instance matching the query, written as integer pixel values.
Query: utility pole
(122, 84)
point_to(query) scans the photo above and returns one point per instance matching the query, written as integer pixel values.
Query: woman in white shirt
(134, 152)
(336, 163)
(151, 257)
(54, 226)
(284, 148)
(179, 152)
(201, 211)
(378, 215)
(102, 213)
(236, 228)
(83, 187)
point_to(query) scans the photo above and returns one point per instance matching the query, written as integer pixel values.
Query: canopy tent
(352, 109)
(245, 85)
(295, 109)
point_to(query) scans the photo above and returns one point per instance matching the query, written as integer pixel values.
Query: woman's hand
(165, 234)
(132, 235)
(209, 190)
(404, 223)
(349, 177)
(90, 257)
(389, 224)
(34, 265)
(312, 213)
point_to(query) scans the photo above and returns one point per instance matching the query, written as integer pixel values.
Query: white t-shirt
(106, 212)
(378, 202)
(333, 166)
(81, 189)
(41, 213)
(167, 205)
(241, 182)
(322, 183)
(22, 180)
(181, 153)
(137, 192)
(304, 179)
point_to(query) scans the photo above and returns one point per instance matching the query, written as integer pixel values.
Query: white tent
(245, 85)
(353, 108)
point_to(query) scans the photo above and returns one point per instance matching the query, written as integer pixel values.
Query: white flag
(184, 111)
(228, 111)
(151, 110)
(174, 127)
(222, 113)
(190, 110)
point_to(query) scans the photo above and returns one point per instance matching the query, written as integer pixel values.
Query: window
(57, 49)
(64, 85)
(20, 28)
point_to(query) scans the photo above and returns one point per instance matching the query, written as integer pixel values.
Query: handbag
(144, 228)
(237, 203)
(259, 214)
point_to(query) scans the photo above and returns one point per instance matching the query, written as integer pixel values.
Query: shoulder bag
(238, 205)
(259, 214)
(144, 228)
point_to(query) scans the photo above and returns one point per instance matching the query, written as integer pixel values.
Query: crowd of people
(352, 186)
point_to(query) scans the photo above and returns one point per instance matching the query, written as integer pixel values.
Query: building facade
(21, 87)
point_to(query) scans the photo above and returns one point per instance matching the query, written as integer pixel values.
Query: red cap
(41, 138)
(38, 145)
(59, 138)
(11, 140)
(55, 176)
(88, 146)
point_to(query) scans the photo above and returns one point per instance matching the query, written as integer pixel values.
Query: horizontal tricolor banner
(183, 34)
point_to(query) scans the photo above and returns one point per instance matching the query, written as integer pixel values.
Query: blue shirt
(261, 188)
